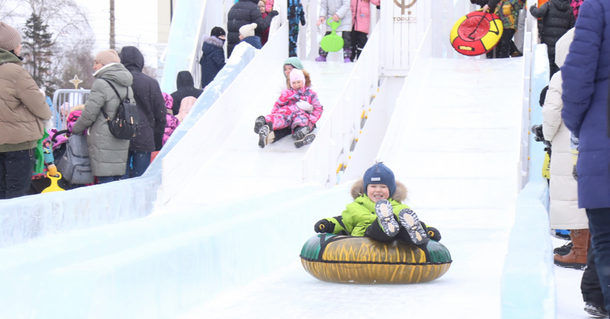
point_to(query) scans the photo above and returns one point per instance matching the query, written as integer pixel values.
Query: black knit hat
(217, 32)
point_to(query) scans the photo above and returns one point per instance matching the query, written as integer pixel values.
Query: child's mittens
(324, 226)
(303, 19)
(433, 233)
(305, 106)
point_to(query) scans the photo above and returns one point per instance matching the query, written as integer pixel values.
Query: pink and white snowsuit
(286, 113)
(171, 122)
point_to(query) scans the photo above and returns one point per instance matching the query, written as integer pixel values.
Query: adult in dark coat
(186, 87)
(557, 18)
(585, 97)
(213, 57)
(151, 106)
(242, 13)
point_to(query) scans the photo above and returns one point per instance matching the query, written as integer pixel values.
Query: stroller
(54, 148)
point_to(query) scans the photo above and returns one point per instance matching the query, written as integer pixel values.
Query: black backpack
(124, 125)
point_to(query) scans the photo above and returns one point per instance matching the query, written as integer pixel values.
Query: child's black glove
(302, 19)
(273, 13)
(434, 234)
(324, 226)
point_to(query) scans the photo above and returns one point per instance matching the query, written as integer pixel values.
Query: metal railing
(63, 101)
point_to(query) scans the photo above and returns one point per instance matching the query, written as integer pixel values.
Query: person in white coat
(337, 10)
(565, 213)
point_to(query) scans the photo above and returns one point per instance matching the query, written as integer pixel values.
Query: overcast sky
(135, 24)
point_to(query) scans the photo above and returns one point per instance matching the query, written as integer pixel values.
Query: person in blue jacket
(585, 112)
(246, 34)
(213, 58)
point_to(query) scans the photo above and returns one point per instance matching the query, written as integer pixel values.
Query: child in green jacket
(378, 212)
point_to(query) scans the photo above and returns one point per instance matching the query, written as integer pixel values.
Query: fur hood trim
(400, 194)
(213, 41)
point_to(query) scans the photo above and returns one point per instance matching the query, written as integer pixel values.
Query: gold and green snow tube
(361, 260)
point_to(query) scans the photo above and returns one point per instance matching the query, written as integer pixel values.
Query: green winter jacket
(508, 11)
(360, 214)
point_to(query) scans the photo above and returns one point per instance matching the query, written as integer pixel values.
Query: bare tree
(78, 61)
(69, 46)
(65, 18)
(8, 10)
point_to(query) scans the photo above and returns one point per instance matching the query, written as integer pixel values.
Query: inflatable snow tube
(476, 33)
(347, 259)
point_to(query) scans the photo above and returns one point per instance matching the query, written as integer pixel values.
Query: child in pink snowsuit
(171, 121)
(298, 108)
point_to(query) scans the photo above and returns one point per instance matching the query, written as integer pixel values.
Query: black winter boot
(596, 311)
(410, 222)
(260, 121)
(385, 218)
(563, 250)
(308, 139)
(265, 136)
(300, 132)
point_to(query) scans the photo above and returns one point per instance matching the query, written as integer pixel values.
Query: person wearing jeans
(16, 171)
(23, 111)
(585, 112)
(137, 164)
(151, 106)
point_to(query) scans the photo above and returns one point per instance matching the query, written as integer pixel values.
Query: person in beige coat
(108, 154)
(565, 213)
(23, 111)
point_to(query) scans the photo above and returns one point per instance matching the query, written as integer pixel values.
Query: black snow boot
(308, 139)
(260, 121)
(596, 311)
(265, 136)
(563, 250)
(300, 132)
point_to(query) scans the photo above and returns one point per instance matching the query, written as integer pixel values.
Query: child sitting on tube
(377, 212)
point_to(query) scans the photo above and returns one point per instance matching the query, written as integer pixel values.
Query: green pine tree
(38, 50)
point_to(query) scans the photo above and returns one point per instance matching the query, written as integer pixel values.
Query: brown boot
(577, 258)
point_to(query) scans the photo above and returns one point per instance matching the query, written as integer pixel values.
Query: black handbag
(124, 125)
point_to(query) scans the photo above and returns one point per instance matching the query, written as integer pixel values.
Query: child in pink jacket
(171, 121)
(361, 23)
(297, 108)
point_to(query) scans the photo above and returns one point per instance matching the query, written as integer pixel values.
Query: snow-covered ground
(569, 298)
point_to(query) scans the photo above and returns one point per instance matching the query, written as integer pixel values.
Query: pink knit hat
(10, 38)
(296, 75)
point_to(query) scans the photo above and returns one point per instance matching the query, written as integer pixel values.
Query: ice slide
(167, 264)
(457, 155)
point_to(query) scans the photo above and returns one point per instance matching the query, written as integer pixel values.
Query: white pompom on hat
(248, 30)
(10, 38)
